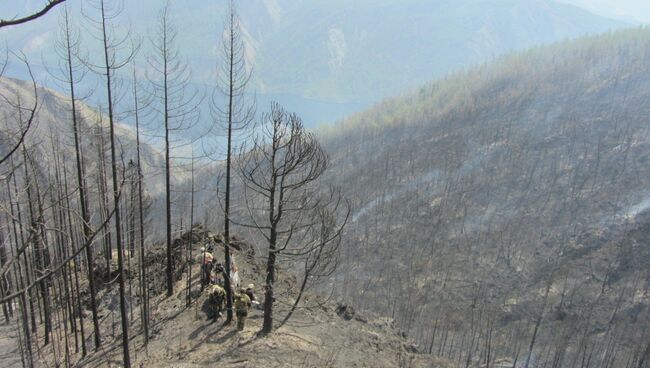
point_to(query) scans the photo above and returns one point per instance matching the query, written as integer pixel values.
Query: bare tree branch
(32, 113)
(49, 6)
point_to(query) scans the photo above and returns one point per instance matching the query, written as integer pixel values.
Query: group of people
(214, 276)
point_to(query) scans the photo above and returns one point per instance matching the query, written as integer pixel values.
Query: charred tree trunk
(144, 289)
(108, 70)
(85, 215)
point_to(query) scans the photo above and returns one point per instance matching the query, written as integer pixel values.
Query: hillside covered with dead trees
(497, 217)
(502, 213)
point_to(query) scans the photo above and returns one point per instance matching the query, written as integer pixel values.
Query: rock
(217, 238)
(384, 323)
(504, 363)
(411, 348)
(345, 311)
(102, 275)
(361, 319)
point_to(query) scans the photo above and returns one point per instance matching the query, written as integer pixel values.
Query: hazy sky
(638, 10)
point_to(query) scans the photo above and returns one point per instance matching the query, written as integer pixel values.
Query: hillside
(52, 128)
(53, 125)
(508, 206)
(322, 333)
(500, 216)
(367, 50)
(624, 10)
(326, 59)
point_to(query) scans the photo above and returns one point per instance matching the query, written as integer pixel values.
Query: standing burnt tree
(235, 117)
(144, 289)
(169, 77)
(23, 111)
(111, 62)
(280, 173)
(317, 247)
(71, 73)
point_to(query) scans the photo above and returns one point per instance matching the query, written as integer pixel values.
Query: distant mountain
(366, 50)
(627, 10)
(326, 59)
(509, 196)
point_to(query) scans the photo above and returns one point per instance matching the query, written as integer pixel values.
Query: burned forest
(286, 183)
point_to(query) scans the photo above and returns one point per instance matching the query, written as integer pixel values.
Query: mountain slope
(324, 59)
(321, 333)
(53, 125)
(365, 50)
(507, 195)
(52, 128)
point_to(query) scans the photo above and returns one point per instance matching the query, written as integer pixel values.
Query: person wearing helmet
(216, 273)
(206, 267)
(249, 292)
(242, 305)
(217, 298)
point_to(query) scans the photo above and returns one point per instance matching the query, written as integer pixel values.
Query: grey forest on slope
(495, 217)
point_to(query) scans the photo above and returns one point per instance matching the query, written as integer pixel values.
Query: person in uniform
(217, 299)
(206, 267)
(250, 293)
(242, 306)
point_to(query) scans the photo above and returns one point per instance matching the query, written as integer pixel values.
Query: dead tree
(72, 231)
(5, 281)
(102, 188)
(188, 250)
(37, 235)
(235, 118)
(319, 244)
(144, 294)
(24, 117)
(280, 174)
(68, 49)
(46, 8)
(169, 80)
(109, 65)
(21, 270)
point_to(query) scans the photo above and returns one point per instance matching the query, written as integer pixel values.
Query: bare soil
(321, 333)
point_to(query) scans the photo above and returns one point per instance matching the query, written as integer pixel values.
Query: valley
(400, 183)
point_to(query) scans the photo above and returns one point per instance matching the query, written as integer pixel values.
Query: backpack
(242, 303)
(217, 294)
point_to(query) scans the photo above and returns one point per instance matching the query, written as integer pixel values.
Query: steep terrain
(53, 126)
(501, 215)
(51, 134)
(321, 333)
(366, 50)
(324, 59)
(507, 206)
